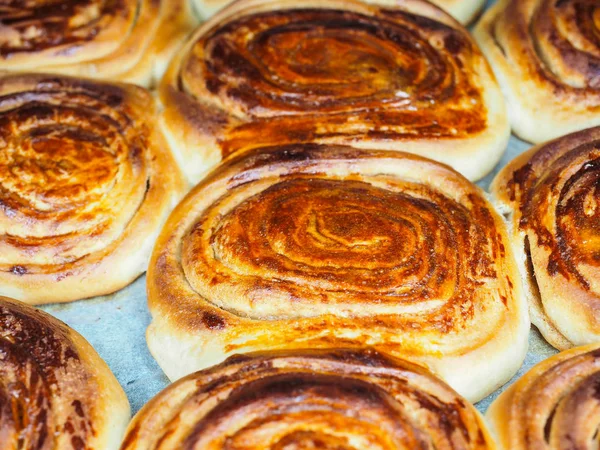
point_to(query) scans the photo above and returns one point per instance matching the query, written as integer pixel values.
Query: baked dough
(546, 56)
(462, 10)
(553, 406)
(86, 182)
(552, 194)
(309, 246)
(273, 72)
(55, 391)
(310, 400)
(125, 40)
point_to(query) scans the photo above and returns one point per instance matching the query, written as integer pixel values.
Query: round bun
(275, 72)
(326, 400)
(126, 40)
(465, 11)
(553, 196)
(546, 57)
(86, 182)
(309, 246)
(554, 405)
(55, 391)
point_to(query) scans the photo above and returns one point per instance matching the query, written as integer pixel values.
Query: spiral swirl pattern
(266, 72)
(78, 161)
(50, 397)
(553, 406)
(126, 40)
(326, 400)
(546, 54)
(554, 193)
(313, 245)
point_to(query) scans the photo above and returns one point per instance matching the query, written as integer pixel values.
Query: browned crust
(320, 397)
(551, 406)
(55, 391)
(86, 180)
(546, 56)
(217, 285)
(551, 194)
(124, 40)
(424, 85)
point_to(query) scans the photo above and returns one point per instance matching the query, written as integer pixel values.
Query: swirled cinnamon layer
(546, 56)
(55, 391)
(554, 406)
(553, 192)
(338, 399)
(462, 10)
(124, 40)
(86, 182)
(309, 246)
(272, 72)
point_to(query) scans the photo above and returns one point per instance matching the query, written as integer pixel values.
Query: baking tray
(116, 326)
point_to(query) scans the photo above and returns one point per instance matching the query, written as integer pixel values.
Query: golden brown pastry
(553, 406)
(552, 194)
(462, 10)
(125, 40)
(273, 72)
(339, 399)
(86, 182)
(308, 246)
(546, 56)
(56, 393)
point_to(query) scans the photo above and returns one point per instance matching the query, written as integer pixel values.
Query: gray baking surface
(116, 324)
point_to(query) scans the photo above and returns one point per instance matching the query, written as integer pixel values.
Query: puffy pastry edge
(181, 341)
(499, 416)
(465, 11)
(117, 269)
(536, 112)
(111, 411)
(554, 302)
(151, 55)
(179, 20)
(194, 128)
(160, 406)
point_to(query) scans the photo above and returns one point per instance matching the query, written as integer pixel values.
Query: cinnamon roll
(311, 246)
(553, 197)
(55, 391)
(326, 400)
(86, 182)
(275, 72)
(462, 10)
(125, 40)
(546, 56)
(553, 406)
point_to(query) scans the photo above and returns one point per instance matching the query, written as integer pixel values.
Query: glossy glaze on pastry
(546, 56)
(554, 406)
(339, 399)
(308, 246)
(553, 195)
(55, 391)
(123, 40)
(273, 72)
(86, 182)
